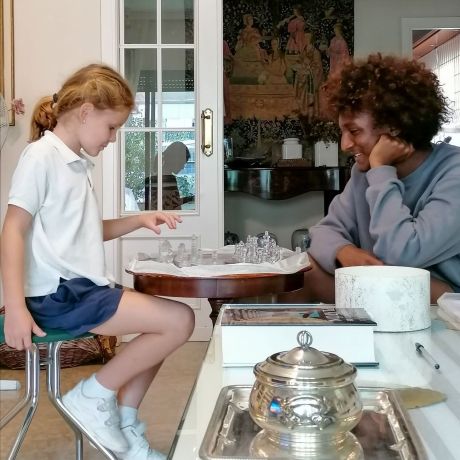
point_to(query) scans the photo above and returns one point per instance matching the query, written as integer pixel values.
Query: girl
(53, 259)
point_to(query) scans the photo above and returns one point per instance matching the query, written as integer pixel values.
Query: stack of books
(251, 333)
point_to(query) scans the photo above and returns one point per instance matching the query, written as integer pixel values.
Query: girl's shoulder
(41, 150)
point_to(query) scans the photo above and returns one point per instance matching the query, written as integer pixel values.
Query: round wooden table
(219, 289)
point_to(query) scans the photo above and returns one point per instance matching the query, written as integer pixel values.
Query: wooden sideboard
(283, 183)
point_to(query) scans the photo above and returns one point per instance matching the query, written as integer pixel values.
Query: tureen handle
(304, 339)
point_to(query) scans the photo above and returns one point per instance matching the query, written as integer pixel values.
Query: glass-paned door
(171, 53)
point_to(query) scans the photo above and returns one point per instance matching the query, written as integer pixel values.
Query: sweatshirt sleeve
(428, 236)
(338, 228)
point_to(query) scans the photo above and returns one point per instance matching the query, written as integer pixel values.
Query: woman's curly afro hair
(399, 93)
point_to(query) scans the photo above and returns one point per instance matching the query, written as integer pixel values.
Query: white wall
(52, 39)
(249, 215)
(377, 28)
(378, 23)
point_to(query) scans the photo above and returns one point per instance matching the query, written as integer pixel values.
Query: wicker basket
(99, 348)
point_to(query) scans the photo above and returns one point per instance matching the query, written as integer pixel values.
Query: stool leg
(27, 394)
(53, 382)
(32, 366)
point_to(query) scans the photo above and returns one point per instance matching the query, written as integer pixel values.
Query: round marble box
(396, 298)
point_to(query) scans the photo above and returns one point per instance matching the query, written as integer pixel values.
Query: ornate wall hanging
(276, 57)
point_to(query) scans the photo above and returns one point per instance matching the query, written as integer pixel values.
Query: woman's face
(359, 136)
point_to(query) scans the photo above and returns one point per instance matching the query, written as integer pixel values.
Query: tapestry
(277, 55)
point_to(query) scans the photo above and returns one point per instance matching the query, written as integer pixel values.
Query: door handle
(206, 131)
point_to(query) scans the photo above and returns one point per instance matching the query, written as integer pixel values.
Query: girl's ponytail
(43, 118)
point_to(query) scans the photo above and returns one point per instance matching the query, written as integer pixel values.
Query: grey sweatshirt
(413, 222)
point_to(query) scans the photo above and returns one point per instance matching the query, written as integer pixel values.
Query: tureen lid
(305, 365)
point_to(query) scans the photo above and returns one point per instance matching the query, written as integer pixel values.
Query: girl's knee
(189, 321)
(184, 321)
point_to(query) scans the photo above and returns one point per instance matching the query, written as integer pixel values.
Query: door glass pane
(141, 72)
(178, 170)
(178, 88)
(141, 170)
(159, 135)
(140, 21)
(177, 21)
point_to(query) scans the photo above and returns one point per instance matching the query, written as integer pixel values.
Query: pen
(422, 351)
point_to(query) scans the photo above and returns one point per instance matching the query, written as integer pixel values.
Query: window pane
(140, 21)
(140, 169)
(141, 72)
(178, 88)
(178, 170)
(177, 21)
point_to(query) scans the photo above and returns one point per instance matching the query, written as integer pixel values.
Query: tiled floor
(49, 437)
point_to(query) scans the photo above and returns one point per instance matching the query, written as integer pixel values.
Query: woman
(400, 206)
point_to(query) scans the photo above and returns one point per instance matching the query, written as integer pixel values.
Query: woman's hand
(351, 256)
(389, 151)
(19, 327)
(153, 220)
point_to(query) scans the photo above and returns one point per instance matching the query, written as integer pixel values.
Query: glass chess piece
(301, 238)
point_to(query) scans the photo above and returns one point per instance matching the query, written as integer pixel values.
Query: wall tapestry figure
(278, 54)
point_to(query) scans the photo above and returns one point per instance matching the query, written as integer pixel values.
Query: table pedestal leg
(216, 304)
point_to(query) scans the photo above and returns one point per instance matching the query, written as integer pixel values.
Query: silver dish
(306, 402)
(383, 433)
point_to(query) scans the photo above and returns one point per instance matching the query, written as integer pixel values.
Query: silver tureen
(306, 403)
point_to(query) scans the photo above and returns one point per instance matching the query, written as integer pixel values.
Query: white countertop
(438, 425)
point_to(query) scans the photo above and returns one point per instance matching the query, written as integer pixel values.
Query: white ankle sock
(93, 389)
(128, 415)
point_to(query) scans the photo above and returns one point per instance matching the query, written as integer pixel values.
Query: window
(444, 59)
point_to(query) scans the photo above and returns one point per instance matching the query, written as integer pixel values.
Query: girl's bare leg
(163, 325)
(132, 393)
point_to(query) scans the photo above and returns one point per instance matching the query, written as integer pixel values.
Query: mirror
(436, 42)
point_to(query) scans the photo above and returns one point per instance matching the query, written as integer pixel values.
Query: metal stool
(53, 339)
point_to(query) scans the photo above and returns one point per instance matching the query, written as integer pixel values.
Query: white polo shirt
(54, 185)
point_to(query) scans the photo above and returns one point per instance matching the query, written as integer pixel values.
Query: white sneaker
(139, 448)
(99, 416)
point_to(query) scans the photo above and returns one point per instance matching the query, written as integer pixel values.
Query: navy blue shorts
(77, 306)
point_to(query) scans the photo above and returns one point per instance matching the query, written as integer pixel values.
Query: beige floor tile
(49, 437)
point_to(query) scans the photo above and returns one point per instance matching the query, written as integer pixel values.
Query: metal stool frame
(32, 391)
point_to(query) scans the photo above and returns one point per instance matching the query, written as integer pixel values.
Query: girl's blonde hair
(97, 84)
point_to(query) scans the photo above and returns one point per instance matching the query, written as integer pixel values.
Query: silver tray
(384, 432)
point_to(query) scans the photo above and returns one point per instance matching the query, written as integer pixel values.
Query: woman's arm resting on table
(350, 256)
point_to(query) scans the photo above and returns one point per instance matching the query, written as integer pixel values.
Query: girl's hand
(389, 151)
(19, 327)
(351, 256)
(153, 220)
